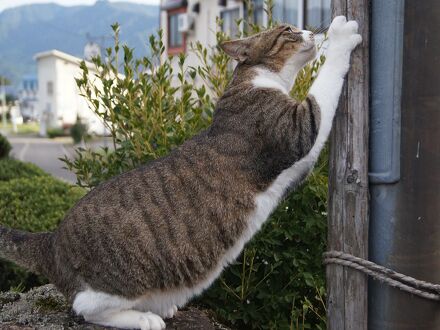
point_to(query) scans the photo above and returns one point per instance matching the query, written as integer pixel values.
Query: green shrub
(37, 203)
(12, 169)
(5, 147)
(278, 282)
(145, 115)
(55, 132)
(33, 204)
(78, 131)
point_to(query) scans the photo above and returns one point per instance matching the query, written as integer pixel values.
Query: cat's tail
(32, 251)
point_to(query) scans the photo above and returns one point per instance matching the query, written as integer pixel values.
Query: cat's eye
(291, 34)
(289, 30)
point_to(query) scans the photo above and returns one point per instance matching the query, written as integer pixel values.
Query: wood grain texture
(348, 182)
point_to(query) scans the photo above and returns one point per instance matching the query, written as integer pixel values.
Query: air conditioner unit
(184, 22)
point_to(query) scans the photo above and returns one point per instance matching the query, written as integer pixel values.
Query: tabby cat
(145, 242)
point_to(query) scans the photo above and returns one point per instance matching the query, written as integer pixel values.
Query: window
(229, 19)
(49, 88)
(175, 37)
(317, 14)
(286, 11)
(258, 12)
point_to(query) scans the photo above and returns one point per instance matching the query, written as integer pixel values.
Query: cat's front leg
(343, 38)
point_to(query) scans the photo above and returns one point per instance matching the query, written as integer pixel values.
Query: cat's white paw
(343, 35)
(150, 321)
(170, 312)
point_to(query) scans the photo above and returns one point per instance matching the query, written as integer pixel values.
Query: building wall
(60, 108)
(405, 200)
(205, 27)
(66, 92)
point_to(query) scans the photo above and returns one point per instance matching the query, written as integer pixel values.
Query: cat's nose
(308, 35)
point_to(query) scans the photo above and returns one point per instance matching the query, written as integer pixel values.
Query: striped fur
(174, 218)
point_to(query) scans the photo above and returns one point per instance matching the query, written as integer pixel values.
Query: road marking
(23, 151)
(65, 152)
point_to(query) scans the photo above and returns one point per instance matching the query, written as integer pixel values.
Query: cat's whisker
(321, 30)
(324, 25)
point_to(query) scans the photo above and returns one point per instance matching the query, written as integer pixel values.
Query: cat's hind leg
(163, 303)
(170, 313)
(127, 319)
(114, 311)
(165, 309)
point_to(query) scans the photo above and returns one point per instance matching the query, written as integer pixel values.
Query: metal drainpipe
(384, 168)
(404, 168)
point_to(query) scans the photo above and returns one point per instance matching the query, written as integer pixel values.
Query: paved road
(43, 153)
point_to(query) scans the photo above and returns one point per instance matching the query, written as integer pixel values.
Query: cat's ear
(237, 49)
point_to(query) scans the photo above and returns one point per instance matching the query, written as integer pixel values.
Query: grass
(30, 128)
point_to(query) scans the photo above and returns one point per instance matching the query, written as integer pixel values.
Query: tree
(4, 81)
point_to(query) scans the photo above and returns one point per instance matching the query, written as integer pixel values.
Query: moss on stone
(50, 304)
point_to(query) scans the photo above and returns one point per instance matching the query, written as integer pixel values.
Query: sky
(14, 3)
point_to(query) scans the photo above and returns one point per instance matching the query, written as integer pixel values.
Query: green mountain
(27, 30)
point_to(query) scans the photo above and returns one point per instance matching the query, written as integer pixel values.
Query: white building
(59, 99)
(186, 21)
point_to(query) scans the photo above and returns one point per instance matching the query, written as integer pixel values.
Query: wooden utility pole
(347, 306)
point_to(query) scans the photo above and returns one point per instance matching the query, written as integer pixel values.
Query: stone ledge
(45, 308)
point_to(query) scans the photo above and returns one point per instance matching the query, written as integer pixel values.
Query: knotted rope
(397, 280)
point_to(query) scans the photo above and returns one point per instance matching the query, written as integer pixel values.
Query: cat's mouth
(308, 46)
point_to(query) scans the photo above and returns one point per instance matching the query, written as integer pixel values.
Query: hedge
(13, 169)
(31, 200)
(36, 204)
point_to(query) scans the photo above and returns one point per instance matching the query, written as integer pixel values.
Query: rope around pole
(397, 280)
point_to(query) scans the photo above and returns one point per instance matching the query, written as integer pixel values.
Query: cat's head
(274, 48)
